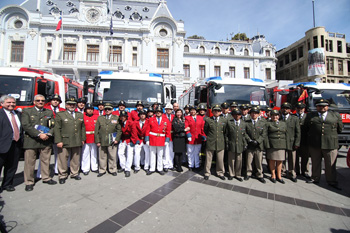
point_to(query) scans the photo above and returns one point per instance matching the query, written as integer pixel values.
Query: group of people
(101, 140)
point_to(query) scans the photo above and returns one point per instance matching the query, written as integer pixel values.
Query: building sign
(316, 62)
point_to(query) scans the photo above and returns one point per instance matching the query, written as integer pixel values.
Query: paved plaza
(178, 203)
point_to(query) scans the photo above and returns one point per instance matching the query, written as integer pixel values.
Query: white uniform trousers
(168, 161)
(156, 151)
(147, 155)
(193, 155)
(125, 155)
(139, 153)
(89, 157)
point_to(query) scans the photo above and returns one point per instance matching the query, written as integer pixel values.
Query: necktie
(254, 123)
(169, 117)
(158, 120)
(141, 125)
(72, 114)
(15, 127)
(194, 119)
(55, 109)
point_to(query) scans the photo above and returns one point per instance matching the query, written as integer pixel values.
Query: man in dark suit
(10, 140)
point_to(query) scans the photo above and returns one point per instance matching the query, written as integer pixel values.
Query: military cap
(187, 106)
(216, 107)
(150, 109)
(123, 113)
(322, 102)
(100, 102)
(139, 103)
(71, 100)
(248, 105)
(56, 97)
(122, 102)
(255, 109)
(268, 109)
(244, 106)
(89, 106)
(168, 106)
(225, 105)
(275, 112)
(108, 105)
(286, 105)
(81, 100)
(191, 107)
(301, 105)
(158, 109)
(202, 107)
(142, 112)
(234, 104)
(236, 111)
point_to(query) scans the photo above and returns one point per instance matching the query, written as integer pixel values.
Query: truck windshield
(21, 88)
(242, 94)
(130, 91)
(336, 98)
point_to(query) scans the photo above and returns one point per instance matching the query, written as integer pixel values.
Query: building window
(308, 45)
(217, 72)
(246, 52)
(268, 73)
(163, 32)
(217, 50)
(330, 45)
(201, 49)
(267, 53)
(232, 71)
(18, 24)
(286, 58)
(48, 52)
(301, 51)
(294, 55)
(162, 58)
(315, 42)
(340, 67)
(186, 49)
(134, 59)
(187, 70)
(322, 41)
(301, 70)
(115, 54)
(330, 66)
(69, 52)
(339, 45)
(348, 67)
(281, 63)
(17, 49)
(232, 51)
(246, 73)
(326, 45)
(202, 71)
(92, 53)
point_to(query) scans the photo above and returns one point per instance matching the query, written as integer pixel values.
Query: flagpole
(62, 38)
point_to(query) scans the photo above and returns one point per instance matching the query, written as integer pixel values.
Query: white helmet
(169, 106)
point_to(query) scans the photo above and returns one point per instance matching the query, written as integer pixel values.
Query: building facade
(293, 60)
(124, 36)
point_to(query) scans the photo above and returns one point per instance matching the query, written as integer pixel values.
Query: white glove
(147, 143)
(166, 143)
(189, 139)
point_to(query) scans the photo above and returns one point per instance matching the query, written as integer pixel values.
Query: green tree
(196, 37)
(240, 36)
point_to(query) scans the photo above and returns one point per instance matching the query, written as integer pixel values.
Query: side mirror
(173, 101)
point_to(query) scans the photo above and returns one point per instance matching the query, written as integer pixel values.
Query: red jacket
(134, 115)
(157, 134)
(196, 129)
(126, 129)
(51, 108)
(90, 127)
(138, 134)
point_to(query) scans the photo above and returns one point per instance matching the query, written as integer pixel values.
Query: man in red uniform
(168, 161)
(150, 112)
(138, 134)
(134, 115)
(194, 137)
(157, 136)
(89, 152)
(126, 147)
(121, 107)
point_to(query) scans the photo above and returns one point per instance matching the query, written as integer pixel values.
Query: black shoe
(280, 180)
(262, 180)
(114, 174)
(306, 176)
(206, 177)
(62, 181)
(29, 187)
(136, 171)
(190, 169)
(222, 177)
(9, 188)
(165, 169)
(100, 174)
(162, 173)
(146, 170)
(127, 173)
(51, 182)
(86, 173)
(231, 177)
(246, 177)
(293, 179)
(273, 180)
(239, 179)
(120, 170)
(179, 169)
(149, 173)
(76, 177)
(335, 186)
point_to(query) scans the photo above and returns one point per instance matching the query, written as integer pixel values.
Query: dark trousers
(9, 161)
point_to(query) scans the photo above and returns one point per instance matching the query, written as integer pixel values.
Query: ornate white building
(146, 38)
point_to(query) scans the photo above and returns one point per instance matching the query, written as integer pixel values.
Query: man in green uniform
(107, 135)
(38, 124)
(70, 136)
(215, 130)
(322, 128)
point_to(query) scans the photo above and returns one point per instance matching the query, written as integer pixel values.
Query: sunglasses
(39, 100)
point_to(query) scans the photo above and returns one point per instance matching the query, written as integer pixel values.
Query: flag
(111, 26)
(59, 24)
(303, 96)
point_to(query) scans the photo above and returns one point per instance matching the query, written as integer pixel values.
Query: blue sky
(281, 21)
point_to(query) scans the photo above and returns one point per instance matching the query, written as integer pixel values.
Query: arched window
(232, 51)
(246, 52)
(217, 50)
(201, 49)
(186, 49)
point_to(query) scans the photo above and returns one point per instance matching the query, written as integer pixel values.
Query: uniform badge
(114, 121)
(65, 120)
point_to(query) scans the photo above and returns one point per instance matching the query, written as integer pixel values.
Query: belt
(157, 134)
(90, 132)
